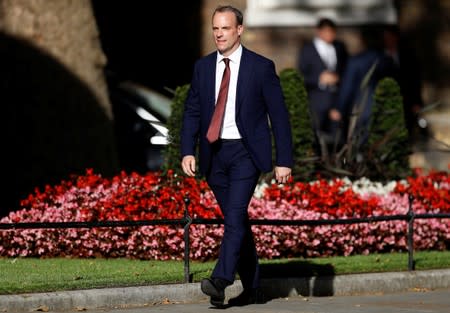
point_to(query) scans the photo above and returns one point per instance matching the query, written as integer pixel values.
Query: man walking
(235, 100)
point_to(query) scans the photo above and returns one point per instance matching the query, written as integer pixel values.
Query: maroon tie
(217, 119)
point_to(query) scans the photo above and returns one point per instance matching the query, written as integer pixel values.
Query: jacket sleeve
(306, 67)
(279, 117)
(348, 88)
(191, 118)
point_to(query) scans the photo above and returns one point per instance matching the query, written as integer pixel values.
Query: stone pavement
(422, 291)
(417, 301)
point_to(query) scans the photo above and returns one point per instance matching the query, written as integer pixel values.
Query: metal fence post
(188, 222)
(410, 219)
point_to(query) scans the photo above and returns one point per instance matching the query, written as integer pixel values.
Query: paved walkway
(418, 301)
(417, 291)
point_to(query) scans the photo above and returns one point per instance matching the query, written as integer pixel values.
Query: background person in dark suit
(233, 163)
(322, 63)
(351, 96)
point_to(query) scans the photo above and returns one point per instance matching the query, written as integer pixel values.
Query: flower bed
(154, 196)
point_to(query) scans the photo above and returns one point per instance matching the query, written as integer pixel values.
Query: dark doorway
(154, 45)
(149, 42)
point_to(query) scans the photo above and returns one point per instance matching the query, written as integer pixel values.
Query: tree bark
(67, 30)
(57, 117)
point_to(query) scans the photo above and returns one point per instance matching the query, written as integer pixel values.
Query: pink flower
(155, 196)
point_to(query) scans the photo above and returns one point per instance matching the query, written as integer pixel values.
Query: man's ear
(240, 29)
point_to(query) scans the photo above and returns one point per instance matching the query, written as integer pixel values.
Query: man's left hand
(282, 174)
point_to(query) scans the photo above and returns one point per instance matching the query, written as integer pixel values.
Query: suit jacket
(311, 66)
(358, 66)
(258, 98)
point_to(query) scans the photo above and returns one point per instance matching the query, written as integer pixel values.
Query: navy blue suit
(232, 168)
(311, 66)
(351, 95)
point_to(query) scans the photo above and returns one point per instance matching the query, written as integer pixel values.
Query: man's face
(226, 32)
(327, 34)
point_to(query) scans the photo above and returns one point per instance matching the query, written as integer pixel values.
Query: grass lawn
(23, 275)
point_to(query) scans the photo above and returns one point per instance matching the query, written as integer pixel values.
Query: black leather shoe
(248, 296)
(215, 288)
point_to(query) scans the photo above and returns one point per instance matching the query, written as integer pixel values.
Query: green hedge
(389, 149)
(296, 100)
(172, 150)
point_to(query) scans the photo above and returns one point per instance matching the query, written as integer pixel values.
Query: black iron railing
(187, 221)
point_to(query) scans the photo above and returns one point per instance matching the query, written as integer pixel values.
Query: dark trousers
(233, 178)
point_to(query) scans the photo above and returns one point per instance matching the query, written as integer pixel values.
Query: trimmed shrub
(302, 133)
(172, 150)
(388, 146)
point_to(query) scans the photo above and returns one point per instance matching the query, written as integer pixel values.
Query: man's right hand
(335, 115)
(188, 165)
(328, 78)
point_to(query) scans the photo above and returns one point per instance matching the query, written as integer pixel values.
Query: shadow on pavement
(297, 278)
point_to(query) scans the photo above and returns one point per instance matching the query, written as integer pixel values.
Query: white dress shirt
(327, 53)
(229, 128)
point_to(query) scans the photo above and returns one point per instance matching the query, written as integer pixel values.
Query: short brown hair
(229, 8)
(326, 22)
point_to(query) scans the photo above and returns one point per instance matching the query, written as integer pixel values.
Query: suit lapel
(211, 81)
(318, 56)
(245, 70)
(338, 54)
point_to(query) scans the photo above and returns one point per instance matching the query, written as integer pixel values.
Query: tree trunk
(66, 29)
(58, 118)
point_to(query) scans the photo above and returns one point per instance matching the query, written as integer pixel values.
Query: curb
(352, 284)
(357, 284)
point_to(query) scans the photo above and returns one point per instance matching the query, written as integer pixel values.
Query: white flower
(259, 190)
(364, 186)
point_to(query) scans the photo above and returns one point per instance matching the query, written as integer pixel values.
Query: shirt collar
(321, 42)
(235, 57)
